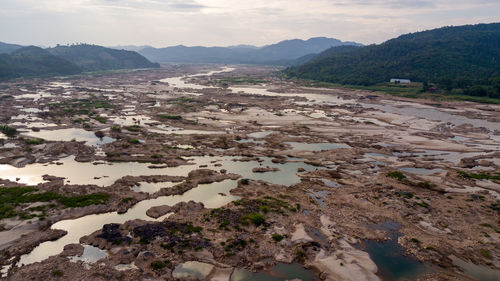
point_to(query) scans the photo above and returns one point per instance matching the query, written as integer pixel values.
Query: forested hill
(34, 61)
(92, 57)
(461, 57)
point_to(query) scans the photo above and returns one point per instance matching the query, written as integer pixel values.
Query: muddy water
(208, 194)
(182, 83)
(317, 146)
(279, 272)
(106, 173)
(478, 272)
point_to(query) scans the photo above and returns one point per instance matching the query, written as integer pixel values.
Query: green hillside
(460, 60)
(92, 57)
(34, 61)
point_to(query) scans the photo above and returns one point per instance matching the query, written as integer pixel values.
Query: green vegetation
(8, 130)
(34, 61)
(12, 197)
(100, 119)
(480, 176)
(34, 141)
(93, 57)
(461, 62)
(67, 60)
(57, 273)
(256, 218)
(116, 129)
(277, 237)
(158, 265)
(396, 175)
(170, 117)
(79, 107)
(133, 128)
(249, 212)
(486, 253)
(134, 141)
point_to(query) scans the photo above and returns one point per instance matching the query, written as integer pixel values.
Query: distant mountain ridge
(283, 53)
(6, 48)
(34, 61)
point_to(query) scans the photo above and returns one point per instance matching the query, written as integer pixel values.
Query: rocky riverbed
(233, 173)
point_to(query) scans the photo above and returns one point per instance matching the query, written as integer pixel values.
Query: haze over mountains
(282, 53)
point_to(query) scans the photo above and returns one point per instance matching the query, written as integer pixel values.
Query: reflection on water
(192, 269)
(279, 272)
(182, 82)
(208, 194)
(478, 272)
(70, 134)
(390, 257)
(152, 187)
(317, 146)
(421, 171)
(106, 173)
(90, 255)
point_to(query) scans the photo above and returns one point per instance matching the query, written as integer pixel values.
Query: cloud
(223, 22)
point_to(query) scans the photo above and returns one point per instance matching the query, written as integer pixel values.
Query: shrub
(256, 218)
(170, 117)
(396, 175)
(277, 237)
(8, 130)
(134, 141)
(34, 141)
(158, 265)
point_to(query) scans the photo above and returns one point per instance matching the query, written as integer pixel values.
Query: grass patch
(134, 141)
(12, 197)
(34, 141)
(480, 176)
(8, 130)
(277, 237)
(396, 175)
(486, 253)
(170, 117)
(133, 128)
(100, 119)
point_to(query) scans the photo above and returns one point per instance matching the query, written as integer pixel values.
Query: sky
(163, 23)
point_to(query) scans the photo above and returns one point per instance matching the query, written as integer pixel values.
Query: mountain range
(282, 53)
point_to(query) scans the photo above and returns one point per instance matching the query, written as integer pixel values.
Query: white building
(400, 81)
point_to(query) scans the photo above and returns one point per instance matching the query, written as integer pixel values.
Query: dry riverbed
(232, 173)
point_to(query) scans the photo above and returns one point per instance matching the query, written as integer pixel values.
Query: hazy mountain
(284, 52)
(6, 48)
(34, 61)
(459, 57)
(93, 57)
(130, 47)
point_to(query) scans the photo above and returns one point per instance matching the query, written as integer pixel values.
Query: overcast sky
(223, 22)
